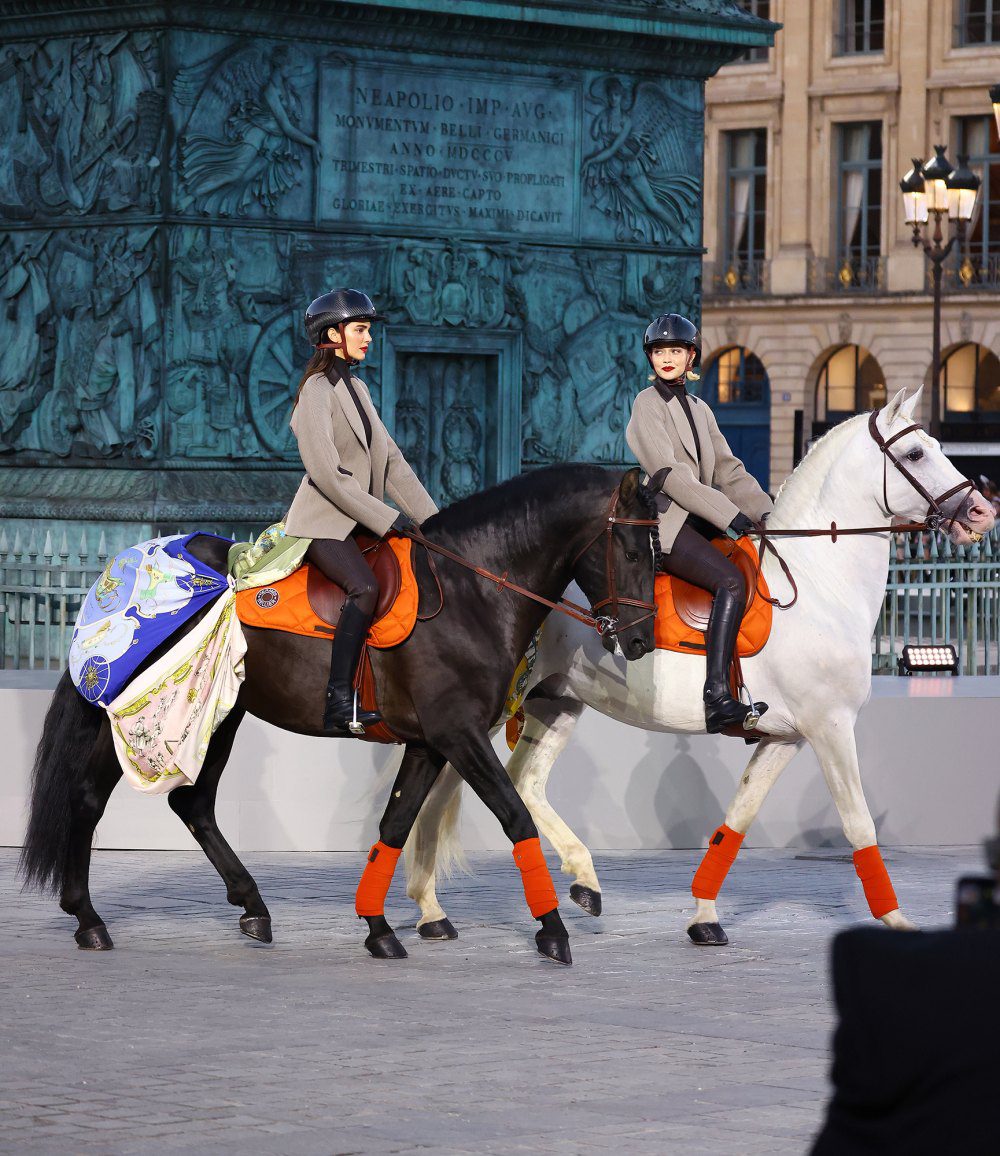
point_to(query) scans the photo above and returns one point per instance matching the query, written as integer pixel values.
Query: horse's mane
(496, 503)
(804, 482)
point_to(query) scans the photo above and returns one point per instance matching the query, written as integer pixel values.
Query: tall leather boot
(721, 709)
(347, 644)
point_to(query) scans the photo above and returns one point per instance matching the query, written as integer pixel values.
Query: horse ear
(629, 485)
(909, 407)
(891, 411)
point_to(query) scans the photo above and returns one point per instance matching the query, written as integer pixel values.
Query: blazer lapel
(343, 395)
(379, 453)
(682, 427)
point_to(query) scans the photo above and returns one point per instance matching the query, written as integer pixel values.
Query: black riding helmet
(337, 308)
(672, 329)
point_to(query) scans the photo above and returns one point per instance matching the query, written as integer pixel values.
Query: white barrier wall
(927, 749)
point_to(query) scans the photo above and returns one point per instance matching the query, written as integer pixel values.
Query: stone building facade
(815, 301)
(518, 186)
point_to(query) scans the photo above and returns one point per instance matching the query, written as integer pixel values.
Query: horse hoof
(707, 935)
(385, 946)
(554, 947)
(257, 927)
(94, 939)
(437, 929)
(587, 898)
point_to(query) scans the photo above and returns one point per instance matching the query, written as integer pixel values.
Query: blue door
(736, 386)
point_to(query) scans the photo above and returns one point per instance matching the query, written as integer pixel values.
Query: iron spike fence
(42, 591)
(936, 593)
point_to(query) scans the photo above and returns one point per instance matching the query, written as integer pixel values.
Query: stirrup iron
(354, 726)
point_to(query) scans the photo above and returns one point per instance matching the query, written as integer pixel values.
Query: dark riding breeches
(693, 559)
(343, 563)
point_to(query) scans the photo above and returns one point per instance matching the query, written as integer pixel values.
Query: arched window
(970, 383)
(736, 377)
(850, 381)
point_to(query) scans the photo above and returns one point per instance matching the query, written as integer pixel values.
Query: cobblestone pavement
(190, 1037)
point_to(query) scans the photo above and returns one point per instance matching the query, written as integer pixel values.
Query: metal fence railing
(43, 586)
(936, 593)
(941, 593)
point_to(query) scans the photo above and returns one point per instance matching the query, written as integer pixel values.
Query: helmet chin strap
(342, 346)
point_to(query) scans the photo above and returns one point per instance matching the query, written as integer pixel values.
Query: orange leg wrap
(375, 879)
(875, 880)
(723, 848)
(539, 889)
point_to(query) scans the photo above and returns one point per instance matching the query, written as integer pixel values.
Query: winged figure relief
(258, 156)
(643, 172)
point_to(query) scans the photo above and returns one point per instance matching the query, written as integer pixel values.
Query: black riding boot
(721, 709)
(347, 644)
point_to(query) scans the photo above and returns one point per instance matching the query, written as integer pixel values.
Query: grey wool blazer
(345, 482)
(717, 488)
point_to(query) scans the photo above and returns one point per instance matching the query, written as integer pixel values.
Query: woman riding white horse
(815, 671)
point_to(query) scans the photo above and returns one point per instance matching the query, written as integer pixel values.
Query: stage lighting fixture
(934, 658)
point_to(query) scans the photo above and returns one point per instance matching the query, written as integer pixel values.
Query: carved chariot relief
(79, 343)
(584, 363)
(644, 172)
(243, 148)
(81, 122)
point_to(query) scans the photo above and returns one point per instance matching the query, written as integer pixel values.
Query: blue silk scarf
(144, 595)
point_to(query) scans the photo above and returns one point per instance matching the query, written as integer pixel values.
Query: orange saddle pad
(308, 603)
(682, 609)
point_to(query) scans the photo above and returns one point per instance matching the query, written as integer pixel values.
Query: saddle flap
(694, 605)
(327, 600)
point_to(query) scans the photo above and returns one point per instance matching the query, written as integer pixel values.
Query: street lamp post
(933, 186)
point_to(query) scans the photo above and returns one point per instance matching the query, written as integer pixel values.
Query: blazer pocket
(321, 494)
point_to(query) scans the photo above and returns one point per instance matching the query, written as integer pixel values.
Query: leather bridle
(603, 623)
(932, 520)
(935, 514)
(609, 623)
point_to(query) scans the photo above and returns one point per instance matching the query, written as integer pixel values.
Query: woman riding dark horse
(706, 489)
(351, 464)
(440, 691)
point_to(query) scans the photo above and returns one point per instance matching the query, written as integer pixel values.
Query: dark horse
(440, 691)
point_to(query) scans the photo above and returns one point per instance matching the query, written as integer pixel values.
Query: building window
(976, 137)
(851, 381)
(859, 202)
(761, 8)
(970, 380)
(860, 27)
(745, 206)
(738, 377)
(978, 22)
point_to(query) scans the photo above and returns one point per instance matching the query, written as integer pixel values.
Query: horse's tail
(69, 735)
(450, 852)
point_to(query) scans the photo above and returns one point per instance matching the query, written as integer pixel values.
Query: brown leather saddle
(694, 605)
(327, 600)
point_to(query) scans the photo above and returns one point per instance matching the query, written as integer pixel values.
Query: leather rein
(933, 520)
(603, 623)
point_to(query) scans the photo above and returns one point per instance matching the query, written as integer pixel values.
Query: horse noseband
(609, 623)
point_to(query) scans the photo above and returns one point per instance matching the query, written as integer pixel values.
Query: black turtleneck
(339, 368)
(670, 391)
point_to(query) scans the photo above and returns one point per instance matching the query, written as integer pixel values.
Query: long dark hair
(320, 362)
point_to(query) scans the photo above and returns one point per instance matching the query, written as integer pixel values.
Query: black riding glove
(739, 526)
(404, 524)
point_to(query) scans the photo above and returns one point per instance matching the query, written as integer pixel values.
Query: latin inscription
(428, 149)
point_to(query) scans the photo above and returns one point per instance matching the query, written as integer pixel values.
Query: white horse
(814, 672)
